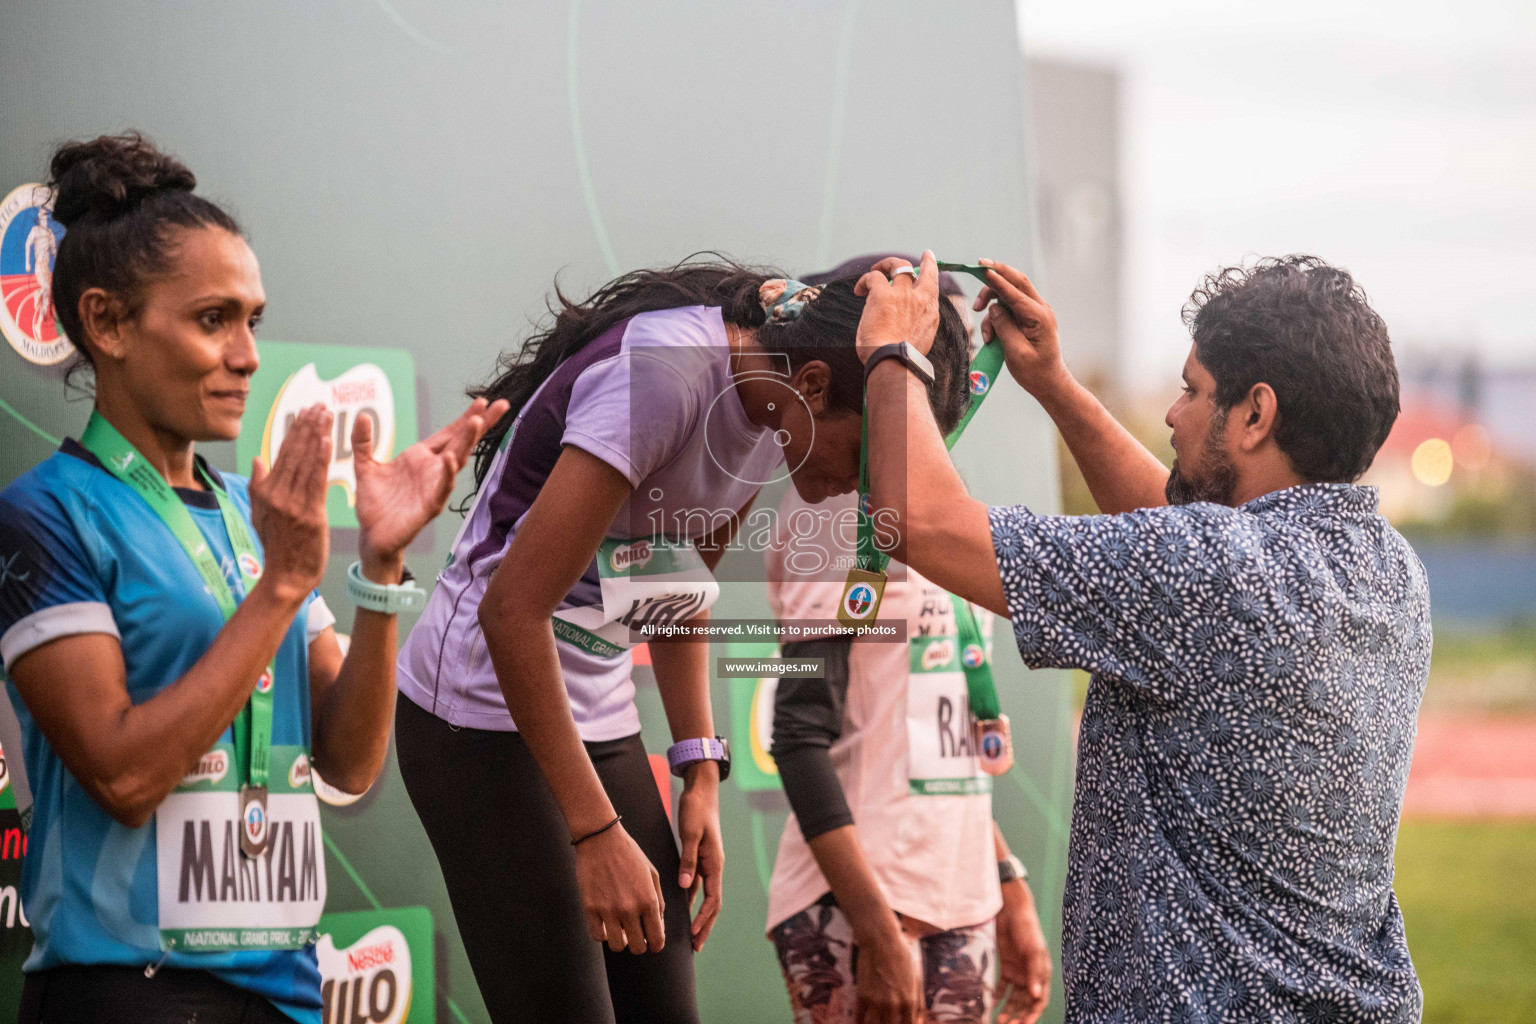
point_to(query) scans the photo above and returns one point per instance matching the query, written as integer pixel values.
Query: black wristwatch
(907, 353)
(1011, 870)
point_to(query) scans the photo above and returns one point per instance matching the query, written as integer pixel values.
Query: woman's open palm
(395, 499)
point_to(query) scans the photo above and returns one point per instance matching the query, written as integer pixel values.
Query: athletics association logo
(972, 656)
(249, 566)
(859, 600)
(255, 822)
(29, 241)
(980, 382)
(991, 746)
(264, 682)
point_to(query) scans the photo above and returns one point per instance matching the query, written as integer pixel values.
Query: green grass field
(1488, 671)
(1468, 893)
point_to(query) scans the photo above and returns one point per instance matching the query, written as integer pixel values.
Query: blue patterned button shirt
(1244, 748)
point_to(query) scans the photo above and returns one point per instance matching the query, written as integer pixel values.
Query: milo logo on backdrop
(376, 967)
(377, 385)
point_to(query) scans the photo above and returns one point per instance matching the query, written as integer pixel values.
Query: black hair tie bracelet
(597, 832)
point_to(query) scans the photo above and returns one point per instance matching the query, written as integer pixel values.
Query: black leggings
(506, 856)
(93, 993)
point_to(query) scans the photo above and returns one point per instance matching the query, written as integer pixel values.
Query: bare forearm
(352, 727)
(1120, 472)
(527, 665)
(853, 883)
(682, 680)
(1015, 893)
(352, 719)
(171, 730)
(130, 756)
(942, 531)
(909, 468)
(550, 552)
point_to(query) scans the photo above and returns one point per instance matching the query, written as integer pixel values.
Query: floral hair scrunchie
(784, 298)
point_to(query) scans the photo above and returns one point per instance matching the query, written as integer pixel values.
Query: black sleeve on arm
(807, 719)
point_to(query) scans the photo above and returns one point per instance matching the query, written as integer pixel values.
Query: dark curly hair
(825, 330)
(1307, 330)
(121, 202)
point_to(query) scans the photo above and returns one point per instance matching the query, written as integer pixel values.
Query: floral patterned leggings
(820, 962)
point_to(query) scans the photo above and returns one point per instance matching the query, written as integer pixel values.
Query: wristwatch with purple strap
(686, 752)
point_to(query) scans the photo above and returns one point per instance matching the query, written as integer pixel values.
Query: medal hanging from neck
(994, 740)
(865, 585)
(253, 726)
(866, 581)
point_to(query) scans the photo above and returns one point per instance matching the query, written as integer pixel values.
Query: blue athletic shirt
(80, 552)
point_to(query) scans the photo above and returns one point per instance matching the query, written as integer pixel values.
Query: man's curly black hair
(1307, 330)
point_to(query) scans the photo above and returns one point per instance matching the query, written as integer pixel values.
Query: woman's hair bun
(110, 175)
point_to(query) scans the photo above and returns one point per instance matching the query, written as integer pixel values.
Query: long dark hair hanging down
(703, 279)
(826, 330)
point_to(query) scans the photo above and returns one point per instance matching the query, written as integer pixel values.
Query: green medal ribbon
(983, 374)
(253, 727)
(973, 659)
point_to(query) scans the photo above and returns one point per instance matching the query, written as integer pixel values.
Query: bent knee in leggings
(500, 842)
(648, 986)
(506, 857)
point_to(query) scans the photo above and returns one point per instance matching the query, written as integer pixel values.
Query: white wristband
(385, 598)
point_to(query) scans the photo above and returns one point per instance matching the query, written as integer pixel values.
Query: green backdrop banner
(377, 384)
(413, 175)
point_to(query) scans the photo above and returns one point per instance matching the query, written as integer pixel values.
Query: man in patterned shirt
(1258, 637)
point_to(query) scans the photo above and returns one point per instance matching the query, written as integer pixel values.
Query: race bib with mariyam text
(212, 898)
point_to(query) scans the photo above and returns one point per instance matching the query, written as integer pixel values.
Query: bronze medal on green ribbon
(861, 593)
(994, 745)
(860, 603)
(255, 827)
(253, 726)
(994, 741)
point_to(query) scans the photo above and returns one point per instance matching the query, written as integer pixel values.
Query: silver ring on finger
(903, 270)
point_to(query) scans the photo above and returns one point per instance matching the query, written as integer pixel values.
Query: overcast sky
(1397, 139)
